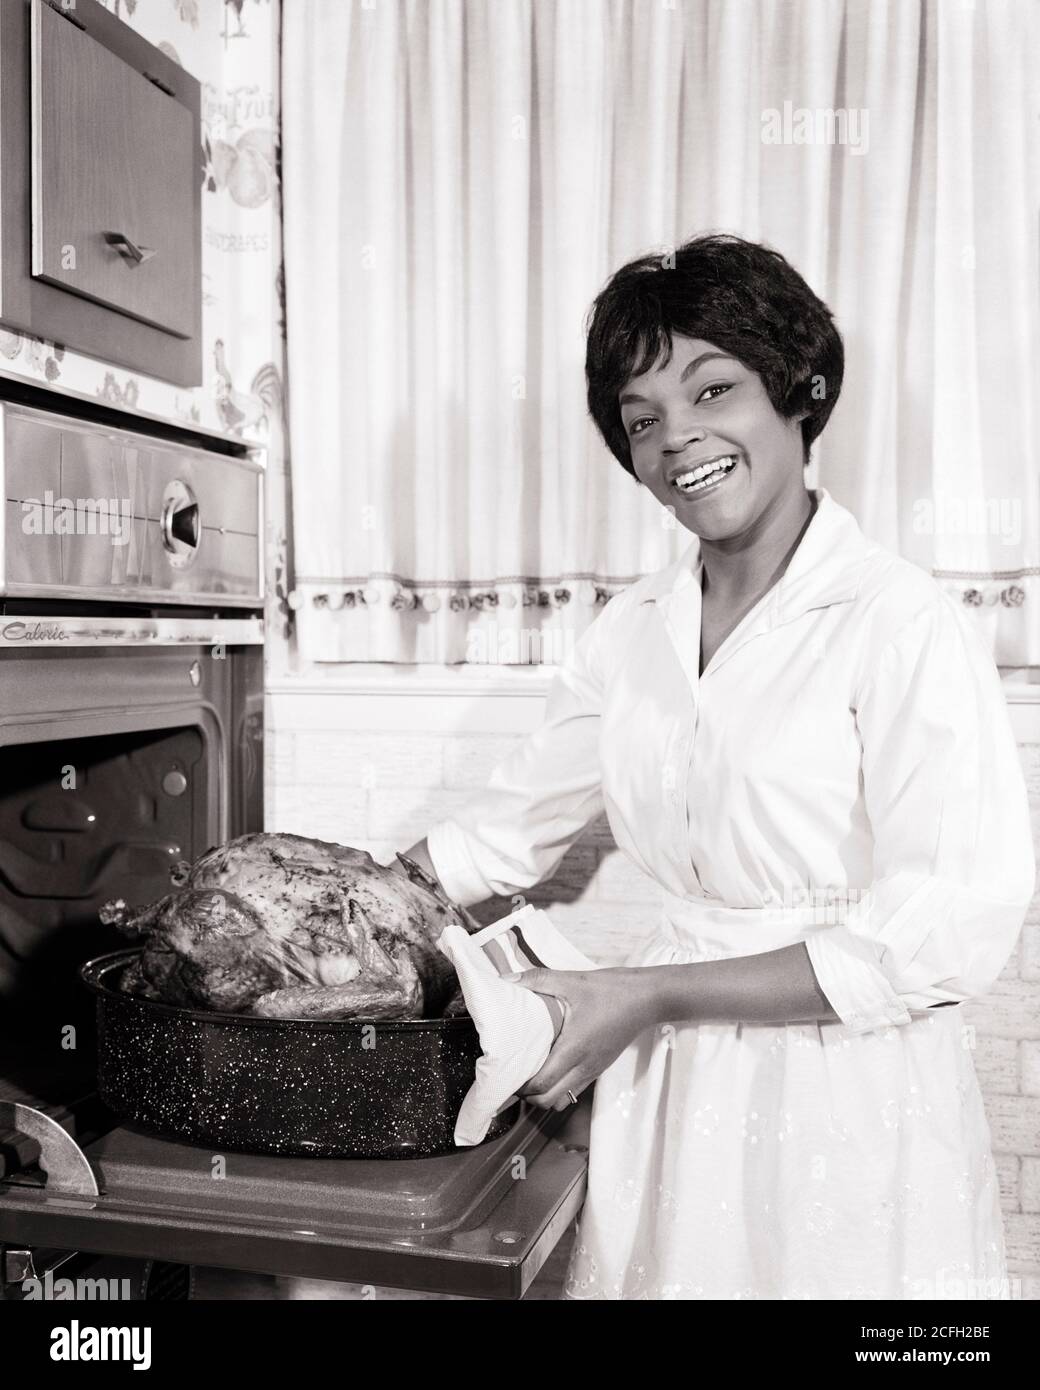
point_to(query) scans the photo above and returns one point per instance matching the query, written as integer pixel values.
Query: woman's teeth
(707, 475)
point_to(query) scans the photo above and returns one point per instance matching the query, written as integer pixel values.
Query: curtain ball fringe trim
(407, 600)
(402, 600)
(1011, 597)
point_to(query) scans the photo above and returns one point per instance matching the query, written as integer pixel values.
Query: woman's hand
(603, 1011)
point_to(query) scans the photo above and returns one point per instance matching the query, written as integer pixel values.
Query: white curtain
(461, 176)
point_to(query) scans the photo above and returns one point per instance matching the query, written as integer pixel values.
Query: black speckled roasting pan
(300, 1087)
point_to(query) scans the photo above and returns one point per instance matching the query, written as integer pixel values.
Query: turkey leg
(357, 1000)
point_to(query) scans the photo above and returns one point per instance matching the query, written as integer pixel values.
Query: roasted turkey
(287, 927)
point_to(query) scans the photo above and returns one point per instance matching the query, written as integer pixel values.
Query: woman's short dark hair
(744, 298)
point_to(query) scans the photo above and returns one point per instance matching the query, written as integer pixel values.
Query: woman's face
(703, 407)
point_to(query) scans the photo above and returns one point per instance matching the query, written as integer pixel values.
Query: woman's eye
(719, 386)
(637, 426)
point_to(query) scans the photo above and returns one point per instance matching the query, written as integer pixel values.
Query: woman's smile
(708, 443)
(694, 481)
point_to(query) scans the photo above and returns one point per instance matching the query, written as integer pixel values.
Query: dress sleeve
(954, 868)
(541, 797)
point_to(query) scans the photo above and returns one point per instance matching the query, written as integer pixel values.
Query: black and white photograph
(519, 670)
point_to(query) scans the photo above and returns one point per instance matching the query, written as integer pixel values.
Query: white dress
(844, 774)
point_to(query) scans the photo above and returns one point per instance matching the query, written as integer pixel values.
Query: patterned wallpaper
(231, 47)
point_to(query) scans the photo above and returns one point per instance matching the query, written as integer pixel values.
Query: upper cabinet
(100, 189)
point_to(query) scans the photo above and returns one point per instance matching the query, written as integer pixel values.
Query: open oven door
(156, 733)
(479, 1224)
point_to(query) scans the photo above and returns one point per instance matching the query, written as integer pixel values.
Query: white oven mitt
(517, 1027)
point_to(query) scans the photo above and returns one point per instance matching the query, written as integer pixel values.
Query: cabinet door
(113, 165)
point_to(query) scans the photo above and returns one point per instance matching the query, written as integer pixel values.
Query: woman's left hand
(603, 1011)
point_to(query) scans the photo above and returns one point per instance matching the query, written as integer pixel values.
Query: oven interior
(82, 820)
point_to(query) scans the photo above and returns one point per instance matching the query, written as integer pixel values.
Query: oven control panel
(92, 512)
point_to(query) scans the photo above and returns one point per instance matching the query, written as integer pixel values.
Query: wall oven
(131, 736)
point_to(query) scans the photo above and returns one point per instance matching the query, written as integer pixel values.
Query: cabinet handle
(129, 250)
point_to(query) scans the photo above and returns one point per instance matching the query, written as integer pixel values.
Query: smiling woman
(796, 734)
(710, 374)
(756, 322)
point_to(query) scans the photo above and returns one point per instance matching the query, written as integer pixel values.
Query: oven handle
(27, 631)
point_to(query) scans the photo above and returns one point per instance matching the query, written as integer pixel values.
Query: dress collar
(828, 566)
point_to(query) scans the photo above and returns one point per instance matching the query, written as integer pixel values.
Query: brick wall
(1007, 1059)
(374, 766)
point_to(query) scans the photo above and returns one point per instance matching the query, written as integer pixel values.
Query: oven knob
(180, 524)
(184, 525)
(195, 673)
(175, 783)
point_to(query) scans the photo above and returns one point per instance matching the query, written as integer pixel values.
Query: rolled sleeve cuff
(458, 875)
(856, 987)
